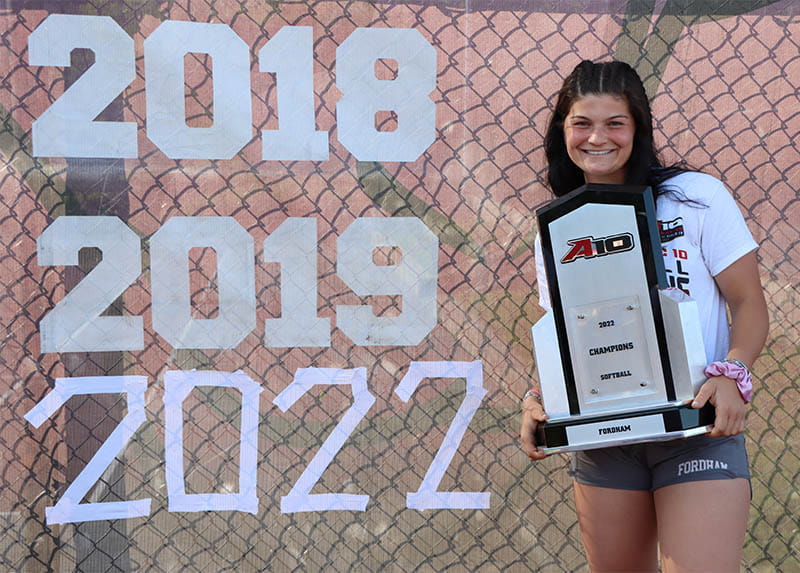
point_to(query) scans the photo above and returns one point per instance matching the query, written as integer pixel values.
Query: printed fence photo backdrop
(268, 277)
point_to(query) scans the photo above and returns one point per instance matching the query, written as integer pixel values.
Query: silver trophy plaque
(620, 357)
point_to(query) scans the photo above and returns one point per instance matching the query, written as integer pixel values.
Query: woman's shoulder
(691, 187)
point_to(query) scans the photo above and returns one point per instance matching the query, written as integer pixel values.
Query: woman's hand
(729, 407)
(532, 415)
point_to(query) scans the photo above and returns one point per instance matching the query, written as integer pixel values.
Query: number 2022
(178, 385)
(76, 323)
(67, 128)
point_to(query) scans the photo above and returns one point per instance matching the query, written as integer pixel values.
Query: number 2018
(67, 128)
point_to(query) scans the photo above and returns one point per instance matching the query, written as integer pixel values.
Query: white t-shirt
(702, 233)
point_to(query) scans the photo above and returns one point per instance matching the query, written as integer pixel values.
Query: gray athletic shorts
(657, 464)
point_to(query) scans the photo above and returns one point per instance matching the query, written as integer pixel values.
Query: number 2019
(76, 323)
(67, 128)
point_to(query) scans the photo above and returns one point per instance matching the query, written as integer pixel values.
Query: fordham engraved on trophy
(619, 357)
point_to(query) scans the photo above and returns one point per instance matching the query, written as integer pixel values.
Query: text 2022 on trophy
(619, 356)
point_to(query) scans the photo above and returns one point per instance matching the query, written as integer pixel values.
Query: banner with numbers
(268, 277)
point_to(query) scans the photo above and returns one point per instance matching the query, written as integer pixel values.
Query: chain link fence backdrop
(725, 81)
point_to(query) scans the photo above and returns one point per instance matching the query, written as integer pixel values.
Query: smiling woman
(638, 500)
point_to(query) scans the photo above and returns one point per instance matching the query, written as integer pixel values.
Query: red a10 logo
(589, 247)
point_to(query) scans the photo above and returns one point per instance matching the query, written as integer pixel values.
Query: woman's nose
(598, 135)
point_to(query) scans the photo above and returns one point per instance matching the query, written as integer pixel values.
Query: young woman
(690, 497)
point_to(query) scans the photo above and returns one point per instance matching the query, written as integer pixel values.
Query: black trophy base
(605, 430)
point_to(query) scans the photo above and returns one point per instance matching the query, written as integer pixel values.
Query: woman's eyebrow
(618, 116)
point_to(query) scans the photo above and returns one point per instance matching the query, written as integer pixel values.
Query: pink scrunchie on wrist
(736, 372)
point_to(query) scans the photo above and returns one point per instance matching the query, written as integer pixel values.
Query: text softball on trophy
(620, 356)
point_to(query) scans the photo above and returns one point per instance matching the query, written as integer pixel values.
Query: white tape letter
(75, 324)
(67, 128)
(169, 273)
(427, 497)
(178, 384)
(294, 245)
(300, 497)
(290, 55)
(164, 51)
(365, 95)
(414, 278)
(69, 508)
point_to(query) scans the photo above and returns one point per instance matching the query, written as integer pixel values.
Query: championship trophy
(620, 357)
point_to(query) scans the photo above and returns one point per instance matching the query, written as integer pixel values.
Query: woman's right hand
(533, 414)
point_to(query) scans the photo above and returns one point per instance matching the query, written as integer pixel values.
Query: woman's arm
(741, 287)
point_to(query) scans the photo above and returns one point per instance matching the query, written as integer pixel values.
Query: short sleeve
(725, 237)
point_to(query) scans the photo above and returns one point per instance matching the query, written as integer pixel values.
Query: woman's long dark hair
(620, 80)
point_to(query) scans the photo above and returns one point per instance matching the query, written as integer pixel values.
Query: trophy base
(604, 430)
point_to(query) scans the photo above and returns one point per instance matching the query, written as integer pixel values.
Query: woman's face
(598, 131)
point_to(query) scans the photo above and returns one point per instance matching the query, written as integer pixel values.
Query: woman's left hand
(730, 409)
